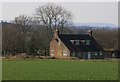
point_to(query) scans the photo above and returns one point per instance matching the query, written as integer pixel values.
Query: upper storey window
(75, 42)
(78, 42)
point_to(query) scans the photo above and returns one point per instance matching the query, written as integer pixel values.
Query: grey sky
(83, 12)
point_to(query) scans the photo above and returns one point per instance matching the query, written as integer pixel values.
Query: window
(64, 53)
(79, 53)
(100, 53)
(72, 41)
(73, 53)
(113, 55)
(89, 55)
(83, 41)
(80, 42)
(87, 42)
(96, 53)
(52, 52)
(77, 42)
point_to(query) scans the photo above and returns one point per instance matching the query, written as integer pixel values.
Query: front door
(89, 55)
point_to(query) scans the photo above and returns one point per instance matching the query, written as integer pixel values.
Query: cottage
(82, 46)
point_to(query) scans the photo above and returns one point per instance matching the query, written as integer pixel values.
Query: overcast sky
(83, 12)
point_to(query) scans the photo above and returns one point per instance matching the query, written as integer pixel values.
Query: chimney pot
(56, 32)
(90, 32)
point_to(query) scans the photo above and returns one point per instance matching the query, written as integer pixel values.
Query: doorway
(89, 55)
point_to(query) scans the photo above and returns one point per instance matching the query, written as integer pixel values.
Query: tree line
(27, 34)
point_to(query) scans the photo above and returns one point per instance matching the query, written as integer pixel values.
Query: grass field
(59, 70)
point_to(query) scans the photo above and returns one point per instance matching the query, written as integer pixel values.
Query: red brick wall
(59, 49)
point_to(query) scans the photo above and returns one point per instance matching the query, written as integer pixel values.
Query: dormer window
(72, 41)
(82, 41)
(87, 42)
(75, 42)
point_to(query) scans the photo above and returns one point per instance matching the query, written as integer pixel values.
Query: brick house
(82, 46)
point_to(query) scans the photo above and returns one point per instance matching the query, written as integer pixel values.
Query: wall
(59, 49)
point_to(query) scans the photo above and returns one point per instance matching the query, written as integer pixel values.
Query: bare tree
(23, 23)
(53, 16)
(107, 37)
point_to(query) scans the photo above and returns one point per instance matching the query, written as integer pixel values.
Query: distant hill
(95, 24)
(83, 24)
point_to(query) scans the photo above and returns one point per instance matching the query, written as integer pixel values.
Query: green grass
(59, 70)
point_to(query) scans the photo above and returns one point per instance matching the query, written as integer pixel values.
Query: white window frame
(64, 53)
(96, 53)
(89, 55)
(100, 53)
(52, 53)
(83, 41)
(77, 42)
(72, 41)
(87, 42)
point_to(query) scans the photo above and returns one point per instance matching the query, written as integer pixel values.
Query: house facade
(82, 46)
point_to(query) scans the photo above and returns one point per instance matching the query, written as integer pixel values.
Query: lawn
(59, 70)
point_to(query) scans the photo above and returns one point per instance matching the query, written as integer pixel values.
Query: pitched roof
(94, 46)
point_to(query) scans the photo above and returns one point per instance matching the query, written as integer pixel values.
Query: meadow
(59, 70)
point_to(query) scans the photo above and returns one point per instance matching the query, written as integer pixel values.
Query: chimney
(90, 32)
(56, 32)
